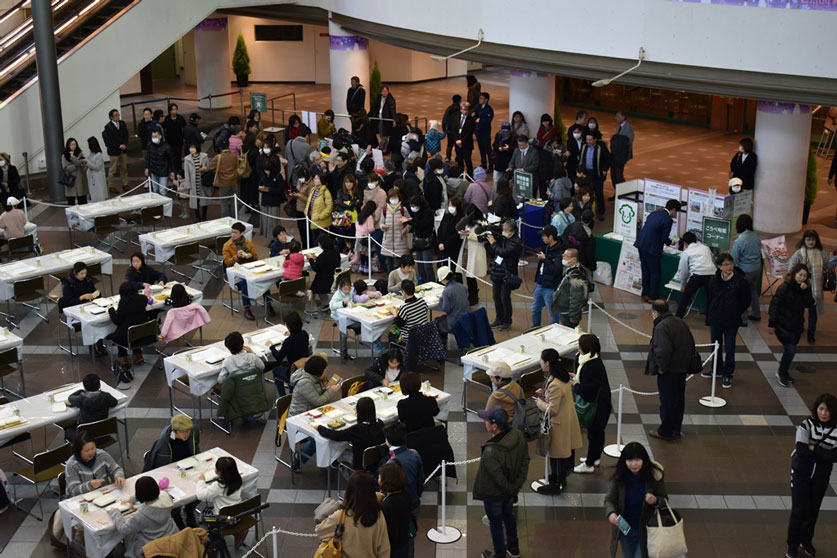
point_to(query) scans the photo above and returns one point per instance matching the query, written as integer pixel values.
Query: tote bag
(665, 535)
(545, 437)
(333, 547)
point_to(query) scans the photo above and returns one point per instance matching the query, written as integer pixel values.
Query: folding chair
(247, 522)
(215, 247)
(530, 381)
(371, 457)
(27, 291)
(20, 247)
(283, 405)
(45, 467)
(10, 363)
(139, 336)
(106, 226)
(181, 385)
(17, 439)
(287, 295)
(479, 379)
(71, 327)
(352, 385)
(185, 254)
(146, 219)
(105, 432)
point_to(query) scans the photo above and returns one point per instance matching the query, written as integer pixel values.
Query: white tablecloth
(101, 537)
(304, 426)
(202, 375)
(372, 323)
(562, 339)
(28, 228)
(96, 326)
(164, 242)
(58, 263)
(9, 340)
(37, 412)
(82, 217)
(259, 278)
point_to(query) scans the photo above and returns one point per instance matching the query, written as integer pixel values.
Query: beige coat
(477, 265)
(566, 433)
(358, 541)
(75, 166)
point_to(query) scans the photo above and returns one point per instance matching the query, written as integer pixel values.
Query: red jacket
(293, 266)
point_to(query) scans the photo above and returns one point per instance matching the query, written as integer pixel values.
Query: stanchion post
(26, 209)
(615, 450)
(369, 256)
(275, 545)
(536, 484)
(444, 534)
(589, 314)
(713, 401)
(235, 206)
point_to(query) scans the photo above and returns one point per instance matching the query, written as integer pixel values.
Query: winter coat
(449, 236)
(115, 135)
(473, 329)
(508, 403)
(433, 446)
(505, 207)
(275, 195)
(378, 196)
(805, 256)
(347, 201)
(787, 310)
(454, 302)
(502, 157)
(146, 274)
(230, 253)
(243, 395)
(148, 523)
(418, 411)
(192, 176)
(359, 541)
(727, 300)
(324, 266)
(240, 363)
(479, 194)
(225, 165)
(388, 113)
(79, 474)
(192, 136)
(130, 312)
(422, 227)
(570, 297)
(548, 274)
(72, 289)
(477, 264)
(309, 393)
(161, 452)
(593, 386)
(362, 435)
(377, 372)
(560, 403)
(319, 207)
(503, 466)
(293, 264)
(97, 179)
(75, 166)
(159, 159)
(576, 236)
(671, 346)
(188, 543)
(395, 234)
(92, 405)
(615, 503)
(180, 321)
(509, 250)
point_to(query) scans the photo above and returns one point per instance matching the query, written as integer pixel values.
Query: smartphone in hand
(623, 525)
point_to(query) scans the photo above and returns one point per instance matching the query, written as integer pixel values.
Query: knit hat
(181, 423)
(479, 174)
(499, 370)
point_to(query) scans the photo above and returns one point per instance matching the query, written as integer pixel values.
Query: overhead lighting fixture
(480, 37)
(603, 82)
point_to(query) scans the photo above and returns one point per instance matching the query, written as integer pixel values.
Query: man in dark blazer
(575, 143)
(621, 148)
(525, 158)
(464, 134)
(580, 125)
(410, 461)
(654, 234)
(449, 123)
(115, 136)
(355, 96)
(382, 114)
(594, 159)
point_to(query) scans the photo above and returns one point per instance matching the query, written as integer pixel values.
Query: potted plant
(811, 186)
(375, 82)
(241, 62)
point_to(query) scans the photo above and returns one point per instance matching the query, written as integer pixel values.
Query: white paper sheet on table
(214, 227)
(170, 236)
(16, 269)
(175, 492)
(211, 356)
(275, 337)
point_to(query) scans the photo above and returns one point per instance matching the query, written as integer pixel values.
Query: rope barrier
(439, 466)
(481, 280)
(181, 194)
(65, 205)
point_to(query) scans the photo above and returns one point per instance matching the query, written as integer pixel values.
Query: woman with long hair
(518, 126)
(396, 508)
(635, 488)
(556, 398)
(97, 180)
(591, 384)
(364, 526)
(225, 491)
(74, 163)
(811, 464)
(348, 203)
(367, 432)
(140, 274)
(786, 316)
(811, 254)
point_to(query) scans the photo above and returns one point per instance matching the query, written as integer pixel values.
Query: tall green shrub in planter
(558, 121)
(811, 185)
(375, 83)
(241, 62)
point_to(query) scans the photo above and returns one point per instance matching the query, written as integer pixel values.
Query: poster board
(655, 196)
(258, 101)
(701, 205)
(626, 218)
(628, 271)
(716, 233)
(776, 252)
(523, 184)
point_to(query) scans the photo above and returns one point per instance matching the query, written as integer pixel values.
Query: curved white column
(533, 94)
(348, 55)
(213, 65)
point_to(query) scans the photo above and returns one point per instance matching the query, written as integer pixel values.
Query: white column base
(444, 535)
(614, 450)
(713, 402)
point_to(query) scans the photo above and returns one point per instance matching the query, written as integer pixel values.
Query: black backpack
(527, 416)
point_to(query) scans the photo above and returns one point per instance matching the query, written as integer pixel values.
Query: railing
(284, 121)
(168, 100)
(273, 108)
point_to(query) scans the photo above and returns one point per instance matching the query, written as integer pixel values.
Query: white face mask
(508, 234)
(155, 140)
(566, 263)
(414, 208)
(592, 125)
(371, 185)
(393, 201)
(440, 171)
(2, 162)
(577, 135)
(266, 150)
(452, 210)
(741, 149)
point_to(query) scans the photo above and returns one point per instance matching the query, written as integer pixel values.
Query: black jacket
(510, 250)
(787, 309)
(745, 170)
(671, 346)
(727, 300)
(362, 436)
(575, 236)
(601, 160)
(502, 157)
(275, 196)
(433, 191)
(548, 274)
(396, 510)
(92, 406)
(72, 288)
(450, 120)
(433, 446)
(355, 99)
(114, 137)
(449, 236)
(293, 348)
(324, 266)
(466, 134)
(388, 114)
(395, 136)
(505, 207)
(377, 372)
(174, 130)
(336, 177)
(159, 159)
(417, 411)
(160, 453)
(130, 312)
(422, 224)
(146, 275)
(13, 182)
(192, 136)
(144, 130)
(595, 388)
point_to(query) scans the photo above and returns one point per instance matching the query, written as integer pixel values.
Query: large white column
(533, 94)
(212, 62)
(783, 134)
(348, 55)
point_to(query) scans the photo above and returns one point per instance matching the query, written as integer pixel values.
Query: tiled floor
(729, 476)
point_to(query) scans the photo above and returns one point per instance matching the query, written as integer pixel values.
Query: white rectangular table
(522, 353)
(37, 411)
(95, 321)
(373, 322)
(82, 217)
(57, 263)
(164, 242)
(101, 536)
(304, 426)
(260, 278)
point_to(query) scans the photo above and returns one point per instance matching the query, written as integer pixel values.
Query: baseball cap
(495, 415)
(549, 230)
(505, 126)
(11, 200)
(194, 116)
(443, 272)
(735, 185)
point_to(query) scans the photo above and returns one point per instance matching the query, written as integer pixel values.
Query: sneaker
(485, 521)
(346, 357)
(495, 324)
(184, 215)
(791, 553)
(504, 327)
(549, 489)
(784, 381)
(809, 549)
(513, 553)
(706, 374)
(583, 468)
(488, 554)
(596, 463)
(727, 382)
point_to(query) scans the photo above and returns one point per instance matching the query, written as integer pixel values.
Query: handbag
(695, 364)
(342, 219)
(421, 243)
(665, 535)
(585, 410)
(333, 547)
(512, 281)
(545, 437)
(829, 281)
(67, 179)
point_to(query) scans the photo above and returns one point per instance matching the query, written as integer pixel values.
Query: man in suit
(355, 96)
(464, 134)
(580, 124)
(449, 123)
(382, 115)
(621, 148)
(653, 235)
(525, 158)
(594, 159)
(575, 143)
(484, 116)
(115, 136)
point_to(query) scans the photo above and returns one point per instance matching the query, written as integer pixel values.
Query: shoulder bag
(586, 410)
(545, 438)
(665, 535)
(333, 548)
(67, 179)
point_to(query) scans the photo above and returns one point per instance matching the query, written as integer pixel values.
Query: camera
(482, 231)
(343, 138)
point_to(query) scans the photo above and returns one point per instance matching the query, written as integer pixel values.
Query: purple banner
(212, 24)
(816, 5)
(775, 107)
(339, 42)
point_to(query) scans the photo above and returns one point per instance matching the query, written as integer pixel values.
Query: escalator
(74, 21)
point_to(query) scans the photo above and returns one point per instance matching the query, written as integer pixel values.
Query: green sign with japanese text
(258, 101)
(523, 184)
(717, 232)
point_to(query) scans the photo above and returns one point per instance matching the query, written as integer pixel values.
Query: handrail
(168, 100)
(14, 8)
